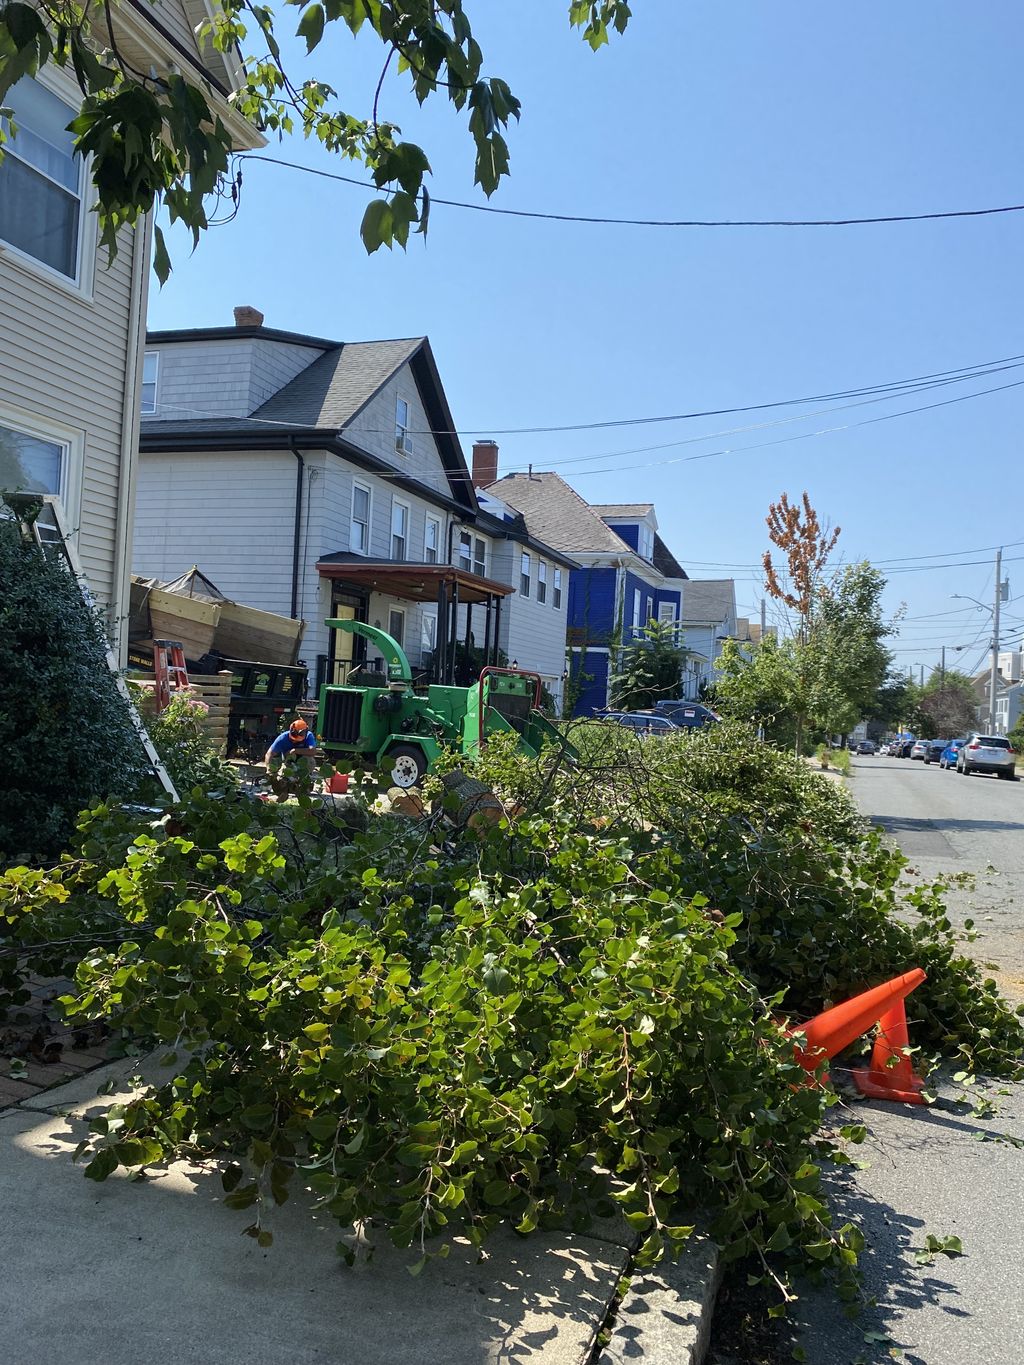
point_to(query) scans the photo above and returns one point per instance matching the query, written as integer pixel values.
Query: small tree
(807, 542)
(760, 689)
(650, 668)
(947, 704)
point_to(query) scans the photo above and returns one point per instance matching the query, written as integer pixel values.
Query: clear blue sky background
(705, 110)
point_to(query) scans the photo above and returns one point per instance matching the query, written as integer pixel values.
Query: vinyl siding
(592, 604)
(589, 671)
(232, 514)
(532, 632)
(373, 430)
(203, 379)
(170, 15)
(63, 364)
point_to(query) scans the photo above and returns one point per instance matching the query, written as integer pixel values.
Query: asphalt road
(938, 1170)
(945, 822)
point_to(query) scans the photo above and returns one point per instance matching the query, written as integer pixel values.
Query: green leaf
(311, 26)
(161, 260)
(104, 1163)
(377, 228)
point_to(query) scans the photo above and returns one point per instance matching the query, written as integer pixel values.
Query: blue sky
(744, 110)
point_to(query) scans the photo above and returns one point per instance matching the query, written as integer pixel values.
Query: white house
(324, 480)
(71, 327)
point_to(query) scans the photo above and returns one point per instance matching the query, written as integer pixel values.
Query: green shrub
(65, 733)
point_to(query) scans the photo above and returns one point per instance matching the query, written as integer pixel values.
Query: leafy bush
(180, 737)
(65, 733)
(565, 1012)
(441, 1054)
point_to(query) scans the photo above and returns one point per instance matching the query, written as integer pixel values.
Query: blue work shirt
(284, 745)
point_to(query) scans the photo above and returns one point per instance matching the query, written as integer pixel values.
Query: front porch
(439, 591)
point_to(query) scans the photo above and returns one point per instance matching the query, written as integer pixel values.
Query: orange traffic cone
(828, 1033)
(885, 1079)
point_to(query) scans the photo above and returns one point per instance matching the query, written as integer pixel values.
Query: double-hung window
(542, 581)
(556, 595)
(524, 575)
(41, 180)
(636, 610)
(431, 540)
(32, 464)
(360, 539)
(150, 372)
(403, 441)
(472, 553)
(399, 529)
(666, 613)
(396, 624)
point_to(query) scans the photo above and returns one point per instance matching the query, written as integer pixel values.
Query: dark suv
(687, 714)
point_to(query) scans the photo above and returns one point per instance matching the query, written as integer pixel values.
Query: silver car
(987, 754)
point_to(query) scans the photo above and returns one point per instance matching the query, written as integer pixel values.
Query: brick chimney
(485, 463)
(245, 316)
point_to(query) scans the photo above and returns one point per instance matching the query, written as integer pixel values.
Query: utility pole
(763, 620)
(922, 677)
(994, 674)
(942, 670)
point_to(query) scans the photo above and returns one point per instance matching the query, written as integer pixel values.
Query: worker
(290, 752)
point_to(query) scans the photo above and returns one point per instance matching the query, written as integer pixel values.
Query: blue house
(626, 575)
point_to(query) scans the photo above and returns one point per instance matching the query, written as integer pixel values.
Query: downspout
(130, 419)
(299, 468)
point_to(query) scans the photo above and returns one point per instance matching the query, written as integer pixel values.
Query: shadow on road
(892, 824)
(893, 1286)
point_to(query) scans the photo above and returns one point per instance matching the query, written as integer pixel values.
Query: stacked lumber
(214, 689)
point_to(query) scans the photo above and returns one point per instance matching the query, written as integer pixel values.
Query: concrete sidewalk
(155, 1270)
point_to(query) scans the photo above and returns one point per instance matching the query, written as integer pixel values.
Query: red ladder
(169, 671)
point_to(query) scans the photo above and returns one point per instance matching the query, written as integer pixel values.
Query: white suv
(987, 754)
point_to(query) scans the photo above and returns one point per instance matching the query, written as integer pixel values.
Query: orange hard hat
(298, 727)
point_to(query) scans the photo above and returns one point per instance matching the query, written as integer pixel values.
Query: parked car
(901, 747)
(949, 754)
(987, 754)
(642, 722)
(918, 748)
(934, 749)
(689, 715)
(866, 746)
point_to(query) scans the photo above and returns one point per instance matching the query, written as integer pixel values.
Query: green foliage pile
(65, 732)
(568, 1011)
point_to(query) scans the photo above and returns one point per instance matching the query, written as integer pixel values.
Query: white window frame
(403, 440)
(525, 574)
(542, 581)
(81, 284)
(72, 459)
(637, 600)
(645, 542)
(434, 549)
(397, 611)
(556, 589)
(480, 556)
(428, 632)
(400, 505)
(368, 490)
(466, 550)
(148, 356)
(667, 613)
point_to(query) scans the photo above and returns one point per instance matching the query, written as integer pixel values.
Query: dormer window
(645, 542)
(403, 441)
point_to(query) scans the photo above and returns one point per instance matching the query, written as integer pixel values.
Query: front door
(344, 651)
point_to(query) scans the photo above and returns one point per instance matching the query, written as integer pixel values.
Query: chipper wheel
(406, 764)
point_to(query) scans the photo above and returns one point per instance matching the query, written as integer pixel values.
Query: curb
(665, 1316)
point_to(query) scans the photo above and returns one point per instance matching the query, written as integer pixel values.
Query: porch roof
(414, 582)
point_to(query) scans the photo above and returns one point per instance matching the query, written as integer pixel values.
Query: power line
(603, 221)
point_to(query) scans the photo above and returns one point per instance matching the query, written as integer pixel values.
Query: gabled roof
(323, 399)
(710, 600)
(665, 561)
(622, 509)
(557, 515)
(338, 384)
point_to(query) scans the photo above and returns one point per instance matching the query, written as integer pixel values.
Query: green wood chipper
(401, 729)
